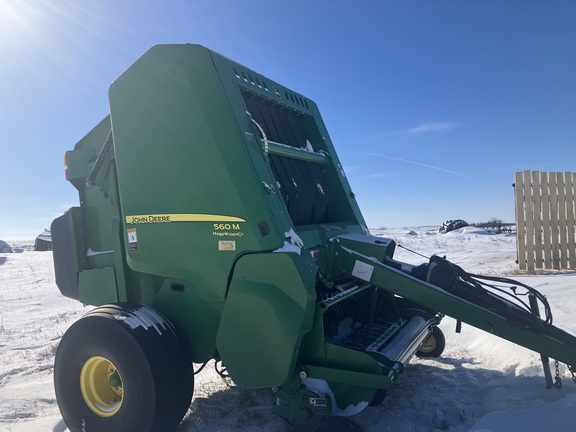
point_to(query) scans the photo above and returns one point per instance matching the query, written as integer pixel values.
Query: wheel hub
(428, 345)
(101, 386)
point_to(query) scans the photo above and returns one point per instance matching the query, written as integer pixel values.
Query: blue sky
(432, 105)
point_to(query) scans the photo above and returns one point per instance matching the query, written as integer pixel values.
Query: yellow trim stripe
(180, 217)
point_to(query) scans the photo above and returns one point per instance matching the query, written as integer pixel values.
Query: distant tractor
(216, 223)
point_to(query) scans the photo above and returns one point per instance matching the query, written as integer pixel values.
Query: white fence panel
(545, 220)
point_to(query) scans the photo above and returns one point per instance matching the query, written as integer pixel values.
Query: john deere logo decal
(187, 217)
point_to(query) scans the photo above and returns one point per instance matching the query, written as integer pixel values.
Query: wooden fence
(545, 220)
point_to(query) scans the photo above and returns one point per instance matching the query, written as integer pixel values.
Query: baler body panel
(175, 139)
(275, 308)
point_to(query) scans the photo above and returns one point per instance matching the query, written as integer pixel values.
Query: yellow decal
(181, 217)
(227, 230)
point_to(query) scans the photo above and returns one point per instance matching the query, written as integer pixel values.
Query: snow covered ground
(481, 383)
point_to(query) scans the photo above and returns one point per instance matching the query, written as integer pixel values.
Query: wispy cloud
(419, 164)
(380, 175)
(432, 127)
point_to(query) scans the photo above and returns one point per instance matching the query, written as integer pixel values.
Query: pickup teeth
(371, 335)
(396, 341)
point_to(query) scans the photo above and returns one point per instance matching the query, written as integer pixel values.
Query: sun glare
(15, 16)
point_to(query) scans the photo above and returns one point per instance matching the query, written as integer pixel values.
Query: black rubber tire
(378, 398)
(156, 373)
(434, 344)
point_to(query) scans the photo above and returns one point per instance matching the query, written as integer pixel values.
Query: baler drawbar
(216, 223)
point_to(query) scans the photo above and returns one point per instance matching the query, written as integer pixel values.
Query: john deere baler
(216, 223)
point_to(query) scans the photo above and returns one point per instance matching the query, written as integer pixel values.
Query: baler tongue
(444, 287)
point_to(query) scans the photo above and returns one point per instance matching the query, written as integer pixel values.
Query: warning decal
(132, 240)
(363, 271)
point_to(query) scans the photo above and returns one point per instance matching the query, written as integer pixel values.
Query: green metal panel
(69, 251)
(269, 308)
(98, 199)
(176, 140)
(98, 287)
(80, 160)
(78, 164)
(75, 218)
(195, 316)
(351, 377)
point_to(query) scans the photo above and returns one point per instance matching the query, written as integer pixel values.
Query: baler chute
(216, 222)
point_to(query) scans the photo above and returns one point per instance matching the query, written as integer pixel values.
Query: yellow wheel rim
(101, 386)
(428, 345)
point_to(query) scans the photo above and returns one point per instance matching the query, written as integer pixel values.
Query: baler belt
(303, 185)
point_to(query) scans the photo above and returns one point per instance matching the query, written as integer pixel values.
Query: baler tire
(433, 346)
(378, 398)
(114, 373)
